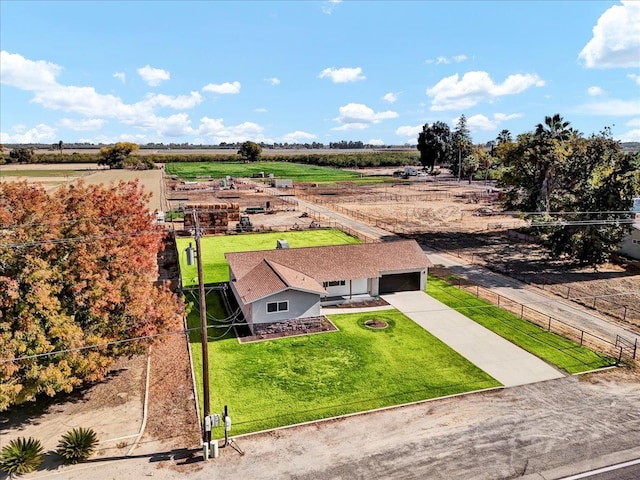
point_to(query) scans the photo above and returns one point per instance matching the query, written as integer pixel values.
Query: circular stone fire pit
(376, 324)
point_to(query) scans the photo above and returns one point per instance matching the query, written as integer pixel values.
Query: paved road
(504, 361)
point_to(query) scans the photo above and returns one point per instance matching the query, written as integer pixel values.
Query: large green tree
(76, 270)
(461, 148)
(434, 143)
(124, 155)
(250, 151)
(558, 174)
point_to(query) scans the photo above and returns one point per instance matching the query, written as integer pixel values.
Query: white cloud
(376, 141)
(613, 107)
(481, 122)
(595, 91)
(616, 38)
(214, 131)
(635, 77)
(82, 125)
(390, 97)
(273, 80)
(120, 76)
(178, 102)
(328, 6)
(361, 115)
(351, 126)
(260, 110)
(342, 75)
(446, 60)
(17, 71)
(633, 122)
(227, 88)
(298, 137)
(39, 134)
(153, 76)
(630, 136)
(453, 93)
(409, 131)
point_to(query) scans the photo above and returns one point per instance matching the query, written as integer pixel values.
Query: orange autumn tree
(76, 270)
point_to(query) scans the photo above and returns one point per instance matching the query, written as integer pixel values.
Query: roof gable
(268, 278)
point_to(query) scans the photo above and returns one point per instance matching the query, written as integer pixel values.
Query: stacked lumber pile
(212, 216)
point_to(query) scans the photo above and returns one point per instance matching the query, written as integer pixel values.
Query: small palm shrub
(22, 455)
(77, 445)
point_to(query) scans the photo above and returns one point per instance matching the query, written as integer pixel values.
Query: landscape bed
(214, 265)
(286, 381)
(295, 171)
(553, 348)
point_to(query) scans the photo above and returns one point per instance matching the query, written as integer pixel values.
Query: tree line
(580, 187)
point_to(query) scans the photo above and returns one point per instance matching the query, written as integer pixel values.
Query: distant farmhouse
(284, 284)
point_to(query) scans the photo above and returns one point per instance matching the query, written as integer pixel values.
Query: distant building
(630, 245)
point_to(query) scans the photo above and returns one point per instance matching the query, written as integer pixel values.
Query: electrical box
(215, 420)
(191, 255)
(227, 423)
(207, 424)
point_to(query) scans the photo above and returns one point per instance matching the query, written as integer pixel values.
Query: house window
(637, 242)
(334, 283)
(273, 307)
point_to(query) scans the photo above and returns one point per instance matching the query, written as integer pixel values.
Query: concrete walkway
(501, 359)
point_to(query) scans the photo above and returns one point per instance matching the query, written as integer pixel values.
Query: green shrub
(22, 455)
(77, 445)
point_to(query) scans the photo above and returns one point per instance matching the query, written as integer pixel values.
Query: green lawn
(214, 265)
(296, 171)
(553, 348)
(281, 382)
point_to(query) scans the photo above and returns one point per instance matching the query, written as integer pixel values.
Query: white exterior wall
(358, 286)
(301, 305)
(630, 246)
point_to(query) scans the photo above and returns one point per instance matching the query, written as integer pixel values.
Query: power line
(55, 241)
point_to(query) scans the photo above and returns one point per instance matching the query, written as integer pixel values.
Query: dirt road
(575, 423)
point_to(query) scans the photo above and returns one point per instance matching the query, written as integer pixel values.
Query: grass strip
(298, 379)
(551, 347)
(295, 171)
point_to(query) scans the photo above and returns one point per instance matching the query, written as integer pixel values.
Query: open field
(291, 380)
(294, 171)
(552, 348)
(214, 265)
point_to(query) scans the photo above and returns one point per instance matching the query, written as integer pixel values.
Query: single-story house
(630, 245)
(282, 284)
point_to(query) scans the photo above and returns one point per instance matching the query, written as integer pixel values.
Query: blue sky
(303, 71)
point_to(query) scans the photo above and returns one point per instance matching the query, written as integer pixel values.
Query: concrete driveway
(507, 363)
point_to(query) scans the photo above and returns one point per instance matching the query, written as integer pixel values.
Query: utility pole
(206, 427)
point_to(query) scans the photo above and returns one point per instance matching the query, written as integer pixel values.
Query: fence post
(549, 327)
(521, 310)
(624, 316)
(581, 336)
(568, 292)
(594, 302)
(635, 348)
(477, 291)
(619, 357)
(498, 300)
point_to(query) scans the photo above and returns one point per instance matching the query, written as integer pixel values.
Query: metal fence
(619, 349)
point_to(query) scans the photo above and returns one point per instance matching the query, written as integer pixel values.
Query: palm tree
(504, 137)
(555, 127)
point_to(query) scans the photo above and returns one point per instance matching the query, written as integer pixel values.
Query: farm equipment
(244, 225)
